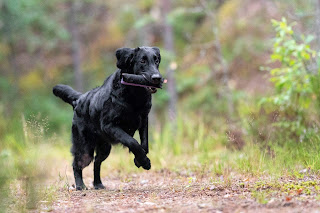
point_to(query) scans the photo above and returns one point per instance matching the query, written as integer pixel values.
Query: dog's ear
(136, 49)
(124, 56)
(157, 50)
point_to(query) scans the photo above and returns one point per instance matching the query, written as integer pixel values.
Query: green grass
(34, 159)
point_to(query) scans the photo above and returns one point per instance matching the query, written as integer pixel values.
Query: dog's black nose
(156, 78)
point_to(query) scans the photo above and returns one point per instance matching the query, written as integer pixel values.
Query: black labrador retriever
(111, 113)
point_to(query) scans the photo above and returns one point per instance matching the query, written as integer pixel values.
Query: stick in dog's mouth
(141, 81)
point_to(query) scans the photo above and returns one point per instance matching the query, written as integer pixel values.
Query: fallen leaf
(246, 180)
(299, 191)
(288, 198)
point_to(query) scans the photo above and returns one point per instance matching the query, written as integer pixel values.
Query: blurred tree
(317, 17)
(216, 46)
(75, 43)
(28, 30)
(88, 25)
(26, 26)
(216, 43)
(169, 46)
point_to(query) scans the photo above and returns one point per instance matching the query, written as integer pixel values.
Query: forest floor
(184, 191)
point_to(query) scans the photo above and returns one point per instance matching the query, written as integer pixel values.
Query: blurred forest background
(243, 91)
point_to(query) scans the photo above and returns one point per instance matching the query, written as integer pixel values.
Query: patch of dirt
(166, 191)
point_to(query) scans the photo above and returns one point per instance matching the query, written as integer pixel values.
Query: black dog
(111, 113)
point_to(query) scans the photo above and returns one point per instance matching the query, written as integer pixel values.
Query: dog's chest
(133, 107)
(131, 118)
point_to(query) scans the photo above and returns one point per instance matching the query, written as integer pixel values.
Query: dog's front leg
(120, 135)
(143, 132)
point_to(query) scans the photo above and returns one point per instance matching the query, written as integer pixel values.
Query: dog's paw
(99, 186)
(81, 187)
(145, 163)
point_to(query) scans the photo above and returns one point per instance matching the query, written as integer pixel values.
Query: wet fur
(111, 114)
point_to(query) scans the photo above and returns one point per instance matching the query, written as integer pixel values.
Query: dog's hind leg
(83, 155)
(102, 152)
(79, 163)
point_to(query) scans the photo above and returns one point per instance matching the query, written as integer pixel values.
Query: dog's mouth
(152, 89)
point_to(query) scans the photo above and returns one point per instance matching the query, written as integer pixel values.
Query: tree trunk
(225, 76)
(318, 23)
(169, 46)
(13, 63)
(75, 45)
(221, 59)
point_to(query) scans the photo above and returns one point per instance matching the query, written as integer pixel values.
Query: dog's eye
(156, 61)
(143, 61)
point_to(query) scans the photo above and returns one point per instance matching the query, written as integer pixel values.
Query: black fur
(111, 114)
(66, 93)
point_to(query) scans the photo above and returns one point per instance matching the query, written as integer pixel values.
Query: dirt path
(166, 191)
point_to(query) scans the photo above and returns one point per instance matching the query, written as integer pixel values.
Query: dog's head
(141, 61)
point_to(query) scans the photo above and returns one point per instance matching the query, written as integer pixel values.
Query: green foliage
(4, 179)
(29, 21)
(19, 160)
(184, 21)
(291, 78)
(55, 112)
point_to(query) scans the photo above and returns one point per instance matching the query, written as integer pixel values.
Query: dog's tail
(66, 93)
